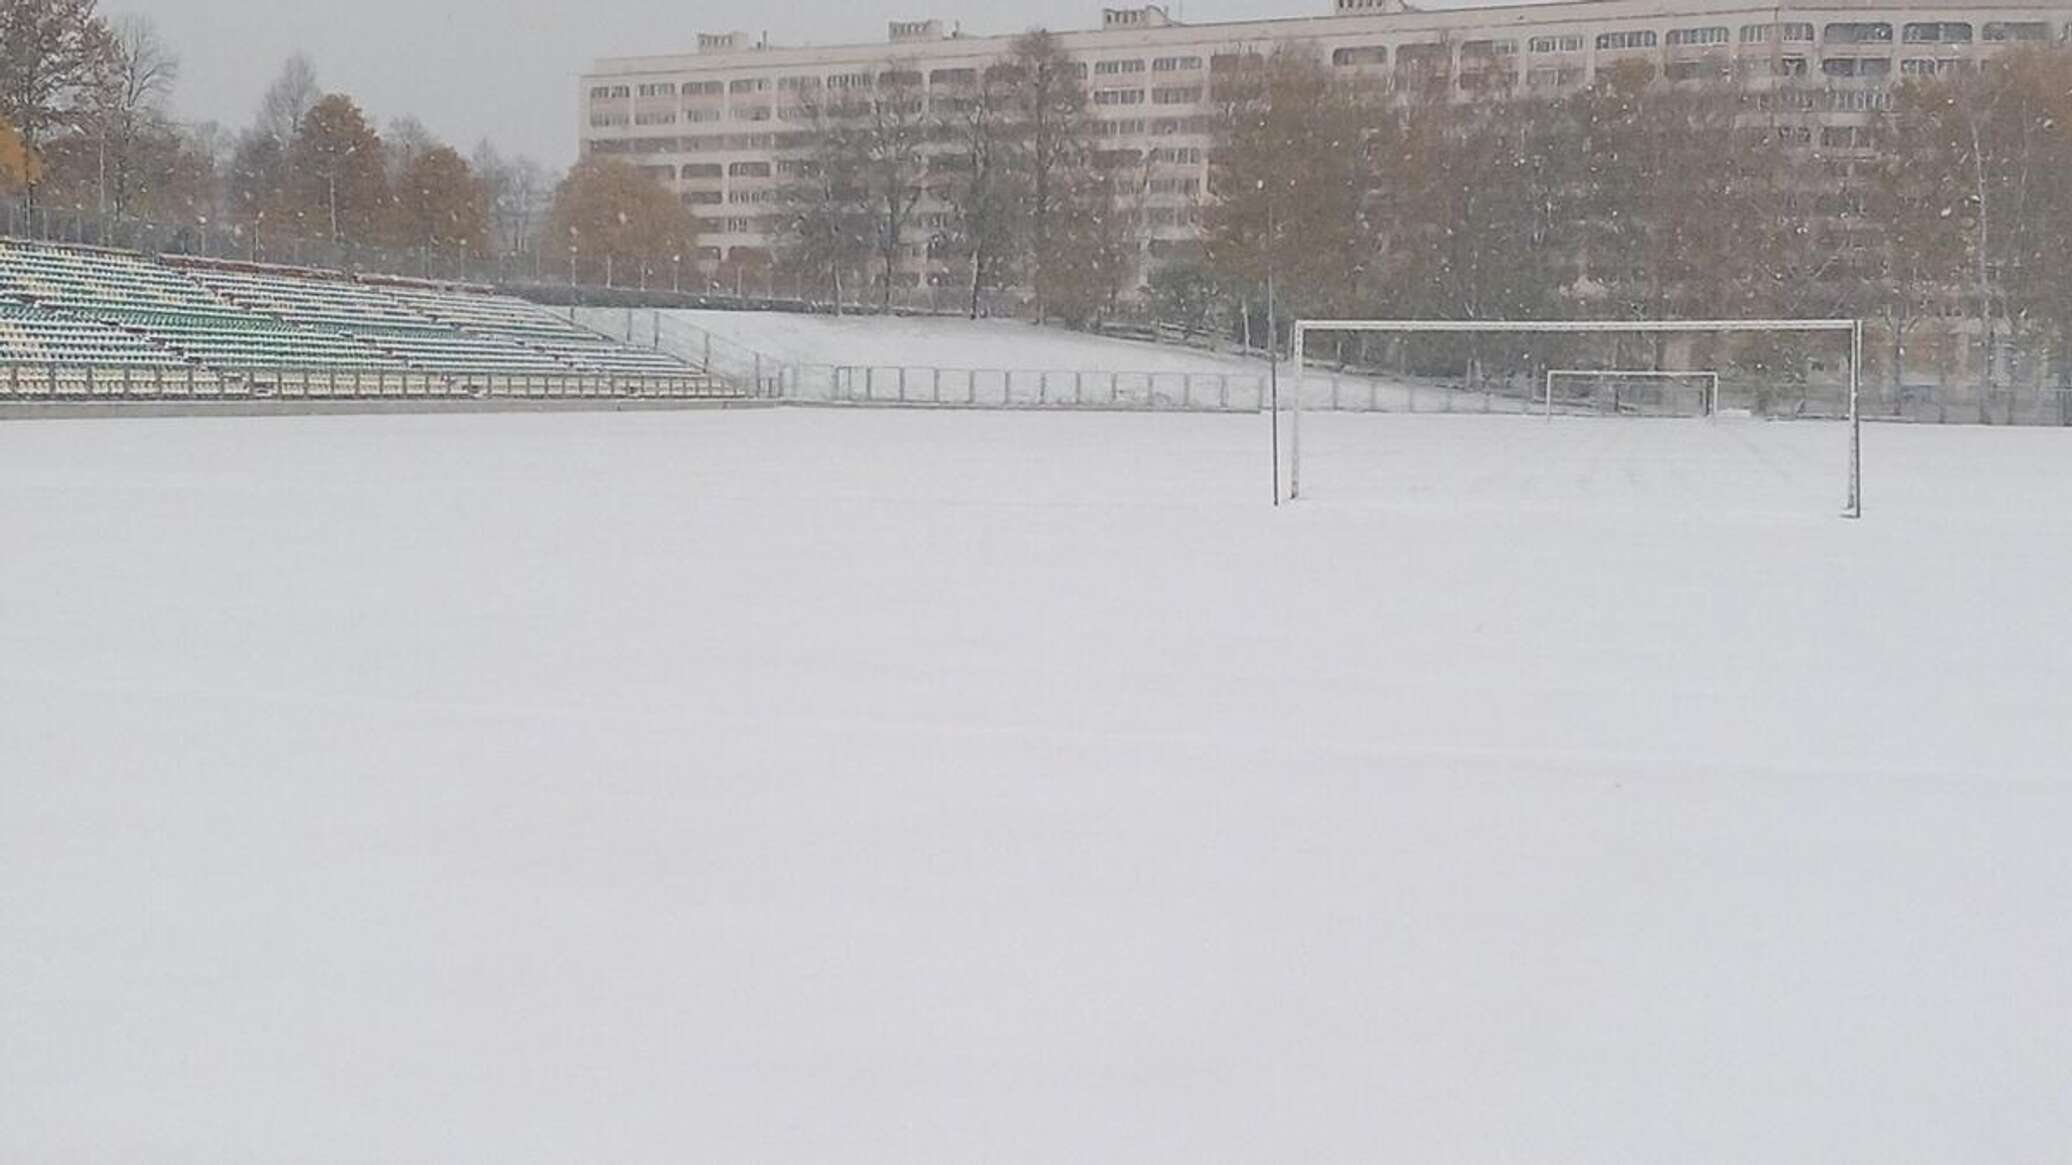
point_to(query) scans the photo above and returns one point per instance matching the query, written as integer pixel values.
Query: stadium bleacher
(108, 310)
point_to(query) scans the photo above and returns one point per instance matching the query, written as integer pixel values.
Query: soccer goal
(1769, 367)
(1641, 392)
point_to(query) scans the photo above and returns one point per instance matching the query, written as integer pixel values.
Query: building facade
(719, 125)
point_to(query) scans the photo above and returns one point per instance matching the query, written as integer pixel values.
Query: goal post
(1851, 329)
(1708, 393)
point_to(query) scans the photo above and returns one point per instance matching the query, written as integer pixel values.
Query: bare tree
(517, 190)
(891, 140)
(1049, 102)
(129, 107)
(289, 99)
(979, 176)
(828, 217)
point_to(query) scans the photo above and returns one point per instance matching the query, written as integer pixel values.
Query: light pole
(676, 284)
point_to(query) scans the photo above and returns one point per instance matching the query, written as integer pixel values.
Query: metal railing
(1031, 388)
(78, 382)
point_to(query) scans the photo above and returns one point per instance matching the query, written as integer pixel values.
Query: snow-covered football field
(821, 785)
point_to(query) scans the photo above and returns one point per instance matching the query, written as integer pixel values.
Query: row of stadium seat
(30, 336)
(70, 277)
(232, 316)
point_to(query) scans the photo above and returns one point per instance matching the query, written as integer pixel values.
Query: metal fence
(60, 382)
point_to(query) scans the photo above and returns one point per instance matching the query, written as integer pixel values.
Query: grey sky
(506, 69)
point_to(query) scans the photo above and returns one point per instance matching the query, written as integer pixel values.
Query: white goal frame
(1705, 376)
(1853, 328)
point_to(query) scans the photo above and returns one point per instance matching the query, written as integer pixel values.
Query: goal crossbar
(1709, 378)
(1852, 507)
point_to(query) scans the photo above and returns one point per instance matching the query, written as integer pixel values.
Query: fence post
(935, 383)
(1223, 390)
(1078, 386)
(902, 384)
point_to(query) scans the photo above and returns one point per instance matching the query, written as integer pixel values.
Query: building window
(1372, 54)
(601, 93)
(695, 116)
(1795, 32)
(1789, 67)
(1856, 66)
(1116, 68)
(953, 77)
(702, 88)
(1572, 43)
(1176, 96)
(1859, 32)
(1554, 76)
(1118, 97)
(607, 120)
(1946, 32)
(748, 85)
(666, 117)
(1642, 39)
(797, 84)
(1175, 64)
(2002, 30)
(1686, 37)
(1425, 58)
(659, 89)
(749, 170)
(1489, 48)
(702, 170)
(701, 198)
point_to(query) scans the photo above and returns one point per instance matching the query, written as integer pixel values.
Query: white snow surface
(863, 785)
(941, 342)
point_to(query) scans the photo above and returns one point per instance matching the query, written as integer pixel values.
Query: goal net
(1781, 368)
(1631, 392)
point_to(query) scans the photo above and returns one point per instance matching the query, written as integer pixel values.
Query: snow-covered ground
(942, 342)
(823, 785)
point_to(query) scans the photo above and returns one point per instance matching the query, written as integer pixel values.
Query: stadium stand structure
(81, 312)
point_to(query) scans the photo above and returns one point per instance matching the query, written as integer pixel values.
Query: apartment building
(719, 124)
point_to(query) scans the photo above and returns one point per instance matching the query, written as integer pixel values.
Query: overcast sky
(506, 69)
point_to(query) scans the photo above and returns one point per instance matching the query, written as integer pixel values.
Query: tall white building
(719, 123)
